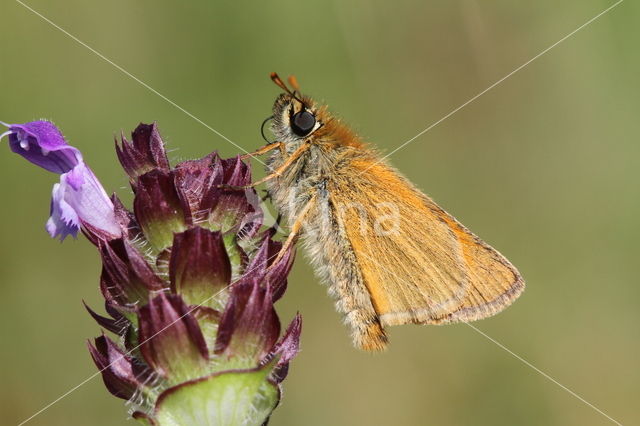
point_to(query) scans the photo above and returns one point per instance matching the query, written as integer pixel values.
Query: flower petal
(63, 219)
(127, 279)
(41, 143)
(126, 220)
(236, 210)
(199, 268)
(171, 340)
(78, 199)
(121, 377)
(262, 265)
(158, 209)
(146, 153)
(286, 348)
(87, 197)
(249, 326)
(197, 182)
(115, 325)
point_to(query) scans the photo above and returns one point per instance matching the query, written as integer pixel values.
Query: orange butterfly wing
(420, 265)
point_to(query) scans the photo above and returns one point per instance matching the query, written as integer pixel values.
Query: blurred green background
(545, 167)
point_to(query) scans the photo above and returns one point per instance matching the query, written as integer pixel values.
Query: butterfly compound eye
(302, 123)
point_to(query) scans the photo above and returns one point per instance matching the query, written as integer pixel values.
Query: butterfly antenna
(294, 83)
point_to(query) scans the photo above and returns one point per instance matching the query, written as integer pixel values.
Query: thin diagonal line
(133, 77)
(495, 84)
(88, 379)
(79, 385)
(545, 375)
(527, 363)
(119, 358)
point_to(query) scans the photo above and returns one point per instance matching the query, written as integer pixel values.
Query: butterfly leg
(294, 233)
(263, 150)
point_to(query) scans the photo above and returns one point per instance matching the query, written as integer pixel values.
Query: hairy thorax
(307, 177)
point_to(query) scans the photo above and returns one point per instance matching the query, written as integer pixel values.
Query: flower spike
(188, 278)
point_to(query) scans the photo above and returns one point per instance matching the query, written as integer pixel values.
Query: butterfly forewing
(419, 264)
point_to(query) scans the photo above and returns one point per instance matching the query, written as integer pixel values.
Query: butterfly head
(295, 117)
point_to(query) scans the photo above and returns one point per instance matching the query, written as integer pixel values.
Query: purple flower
(79, 199)
(189, 279)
